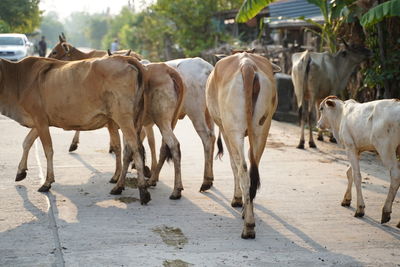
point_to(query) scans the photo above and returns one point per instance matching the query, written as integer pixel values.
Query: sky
(65, 7)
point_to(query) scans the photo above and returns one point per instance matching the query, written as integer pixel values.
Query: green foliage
(250, 9)
(21, 16)
(51, 27)
(374, 15)
(381, 70)
(76, 29)
(97, 29)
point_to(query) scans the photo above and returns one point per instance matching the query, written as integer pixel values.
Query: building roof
(284, 13)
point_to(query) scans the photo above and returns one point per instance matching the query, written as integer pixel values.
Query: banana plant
(376, 14)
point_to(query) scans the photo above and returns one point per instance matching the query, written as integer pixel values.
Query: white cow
(241, 97)
(362, 127)
(194, 72)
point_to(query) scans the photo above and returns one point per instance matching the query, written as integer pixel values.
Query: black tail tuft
(254, 181)
(220, 152)
(300, 114)
(169, 154)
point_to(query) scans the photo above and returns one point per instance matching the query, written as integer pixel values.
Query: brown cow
(163, 100)
(241, 97)
(80, 95)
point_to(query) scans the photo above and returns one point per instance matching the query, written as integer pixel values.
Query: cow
(194, 72)
(78, 95)
(318, 75)
(242, 98)
(163, 101)
(371, 126)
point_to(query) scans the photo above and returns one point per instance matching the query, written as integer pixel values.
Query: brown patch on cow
(262, 120)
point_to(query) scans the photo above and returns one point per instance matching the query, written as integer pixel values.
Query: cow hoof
(332, 140)
(111, 150)
(359, 214)
(320, 138)
(237, 202)
(44, 188)
(73, 147)
(398, 225)
(116, 190)
(385, 216)
(144, 196)
(346, 202)
(20, 176)
(205, 187)
(312, 144)
(112, 181)
(151, 182)
(175, 196)
(301, 145)
(147, 172)
(248, 233)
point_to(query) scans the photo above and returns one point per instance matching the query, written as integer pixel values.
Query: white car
(15, 46)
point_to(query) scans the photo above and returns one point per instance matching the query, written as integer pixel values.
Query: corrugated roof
(293, 9)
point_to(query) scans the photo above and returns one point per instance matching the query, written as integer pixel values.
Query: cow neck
(76, 54)
(345, 68)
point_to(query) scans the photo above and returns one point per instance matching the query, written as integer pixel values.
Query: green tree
(19, 15)
(76, 27)
(51, 27)
(97, 29)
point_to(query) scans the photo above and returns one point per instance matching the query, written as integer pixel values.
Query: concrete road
(299, 220)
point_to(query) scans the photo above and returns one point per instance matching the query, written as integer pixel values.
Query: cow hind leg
(115, 143)
(207, 137)
(23, 164)
(236, 141)
(302, 110)
(45, 138)
(75, 141)
(389, 158)
(173, 149)
(132, 139)
(311, 142)
(237, 200)
(355, 170)
(156, 173)
(347, 196)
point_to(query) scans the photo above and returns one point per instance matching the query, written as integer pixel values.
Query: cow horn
(63, 36)
(61, 39)
(109, 52)
(345, 44)
(128, 52)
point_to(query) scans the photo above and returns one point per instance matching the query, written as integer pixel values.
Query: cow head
(62, 49)
(355, 53)
(331, 114)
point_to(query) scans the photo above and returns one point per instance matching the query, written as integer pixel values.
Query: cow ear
(65, 47)
(330, 103)
(275, 68)
(220, 56)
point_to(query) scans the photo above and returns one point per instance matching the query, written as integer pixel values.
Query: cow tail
(139, 108)
(180, 92)
(220, 152)
(250, 81)
(304, 75)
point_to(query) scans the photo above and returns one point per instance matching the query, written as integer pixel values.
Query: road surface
(299, 220)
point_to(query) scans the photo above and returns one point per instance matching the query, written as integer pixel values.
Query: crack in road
(52, 220)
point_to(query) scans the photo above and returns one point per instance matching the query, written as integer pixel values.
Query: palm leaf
(388, 9)
(250, 8)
